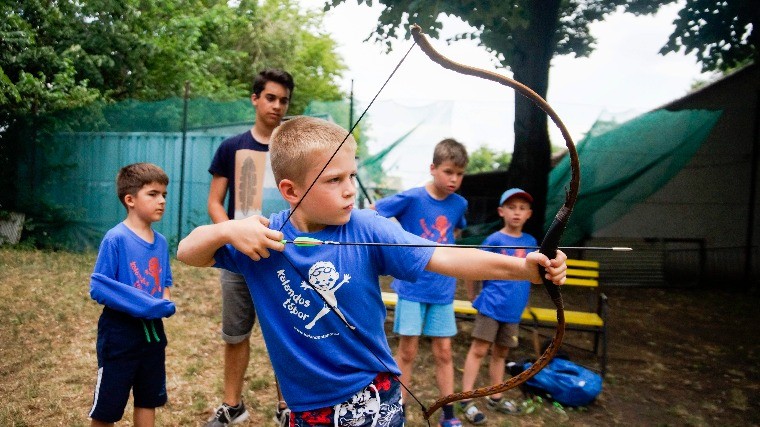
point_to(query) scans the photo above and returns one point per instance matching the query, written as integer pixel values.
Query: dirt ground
(676, 357)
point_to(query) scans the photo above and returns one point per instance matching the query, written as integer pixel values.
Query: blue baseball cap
(512, 192)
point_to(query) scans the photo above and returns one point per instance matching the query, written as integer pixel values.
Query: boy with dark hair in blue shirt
(132, 278)
(334, 368)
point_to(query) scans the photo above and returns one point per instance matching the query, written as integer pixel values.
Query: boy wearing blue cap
(500, 305)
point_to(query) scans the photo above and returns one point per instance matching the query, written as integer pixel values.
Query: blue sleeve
(392, 206)
(127, 299)
(169, 279)
(462, 223)
(108, 258)
(219, 162)
(403, 263)
(224, 257)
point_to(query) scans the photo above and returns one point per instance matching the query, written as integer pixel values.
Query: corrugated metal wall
(88, 163)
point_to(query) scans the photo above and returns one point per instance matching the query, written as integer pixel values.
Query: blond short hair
(296, 145)
(132, 178)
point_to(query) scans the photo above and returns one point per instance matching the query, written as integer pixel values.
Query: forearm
(167, 293)
(475, 264)
(217, 213)
(215, 203)
(199, 247)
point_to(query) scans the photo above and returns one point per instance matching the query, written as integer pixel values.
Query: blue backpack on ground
(565, 382)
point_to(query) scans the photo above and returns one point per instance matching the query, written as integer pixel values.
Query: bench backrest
(582, 273)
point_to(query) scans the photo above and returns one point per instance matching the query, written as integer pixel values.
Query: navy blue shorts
(131, 356)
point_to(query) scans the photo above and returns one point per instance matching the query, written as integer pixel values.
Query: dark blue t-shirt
(251, 187)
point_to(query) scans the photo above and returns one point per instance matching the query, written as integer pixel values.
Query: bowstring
(292, 211)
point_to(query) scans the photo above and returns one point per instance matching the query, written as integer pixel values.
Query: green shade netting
(623, 164)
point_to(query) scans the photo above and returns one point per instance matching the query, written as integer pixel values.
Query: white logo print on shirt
(323, 278)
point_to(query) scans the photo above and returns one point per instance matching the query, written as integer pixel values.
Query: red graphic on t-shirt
(519, 253)
(154, 270)
(441, 225)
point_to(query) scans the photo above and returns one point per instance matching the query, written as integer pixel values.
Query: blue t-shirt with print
(318, 360)
(505, 300)
(127, 258)
(421, 214)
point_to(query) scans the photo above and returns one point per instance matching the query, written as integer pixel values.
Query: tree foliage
(147, 49)
(485, 159)
(67, 54)
(722, 34)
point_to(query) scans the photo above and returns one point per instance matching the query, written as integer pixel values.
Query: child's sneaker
(282, 416)
(505, 406)
(472, 413)
(226, 415)
(451, 422)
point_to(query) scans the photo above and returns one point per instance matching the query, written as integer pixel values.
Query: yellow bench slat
(572, 272)
(572, 281)
(548, 315)
(583, 263)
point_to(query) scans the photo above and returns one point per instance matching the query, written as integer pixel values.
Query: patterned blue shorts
(377, 405)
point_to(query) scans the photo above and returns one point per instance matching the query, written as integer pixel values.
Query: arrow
(310, 241)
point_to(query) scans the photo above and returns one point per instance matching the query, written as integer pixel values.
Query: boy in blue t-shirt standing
(500, 305)
(334, 366)
(425, 307)
(132, 279)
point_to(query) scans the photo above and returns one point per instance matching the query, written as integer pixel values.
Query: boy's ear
(129, 200)
(288, 190)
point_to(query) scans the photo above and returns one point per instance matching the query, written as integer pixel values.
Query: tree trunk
(531, 161)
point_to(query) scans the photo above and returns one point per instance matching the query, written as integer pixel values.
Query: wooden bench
(583, 276)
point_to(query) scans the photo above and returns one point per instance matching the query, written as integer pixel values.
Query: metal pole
(182, 159)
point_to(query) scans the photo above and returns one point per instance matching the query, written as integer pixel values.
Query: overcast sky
(623, 77)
